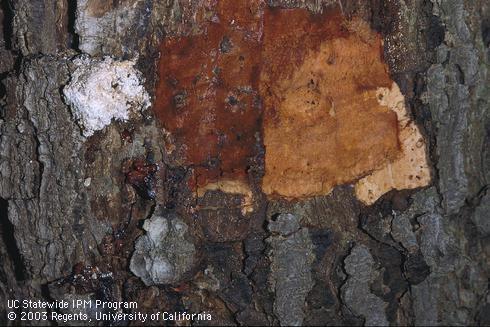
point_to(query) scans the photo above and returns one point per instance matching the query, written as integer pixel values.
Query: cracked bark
(67, 209)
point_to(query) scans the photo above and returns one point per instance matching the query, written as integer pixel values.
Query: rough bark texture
(72, 208)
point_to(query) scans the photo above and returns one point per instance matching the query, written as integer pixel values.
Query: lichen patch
(102, 90)
(164, 254)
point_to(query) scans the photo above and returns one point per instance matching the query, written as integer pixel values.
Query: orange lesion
(327, 127)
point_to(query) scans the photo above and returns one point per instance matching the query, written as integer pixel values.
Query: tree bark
(77, 213)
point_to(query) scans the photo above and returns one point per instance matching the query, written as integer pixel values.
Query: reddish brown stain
(141, 174)
(208, 91)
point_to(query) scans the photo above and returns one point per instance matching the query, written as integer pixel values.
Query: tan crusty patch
(411, 169)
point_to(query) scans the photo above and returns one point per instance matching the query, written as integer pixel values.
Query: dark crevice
(3, 94)
(346, 311)
(485, 32)
(74, 39)
(8, 19)
(7, 232)
(18, 60)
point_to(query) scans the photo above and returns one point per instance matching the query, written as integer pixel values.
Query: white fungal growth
(102, 90)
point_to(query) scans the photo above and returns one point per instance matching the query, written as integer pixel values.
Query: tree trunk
(117, 212)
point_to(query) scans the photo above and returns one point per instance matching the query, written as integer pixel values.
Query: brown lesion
(304, 84)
